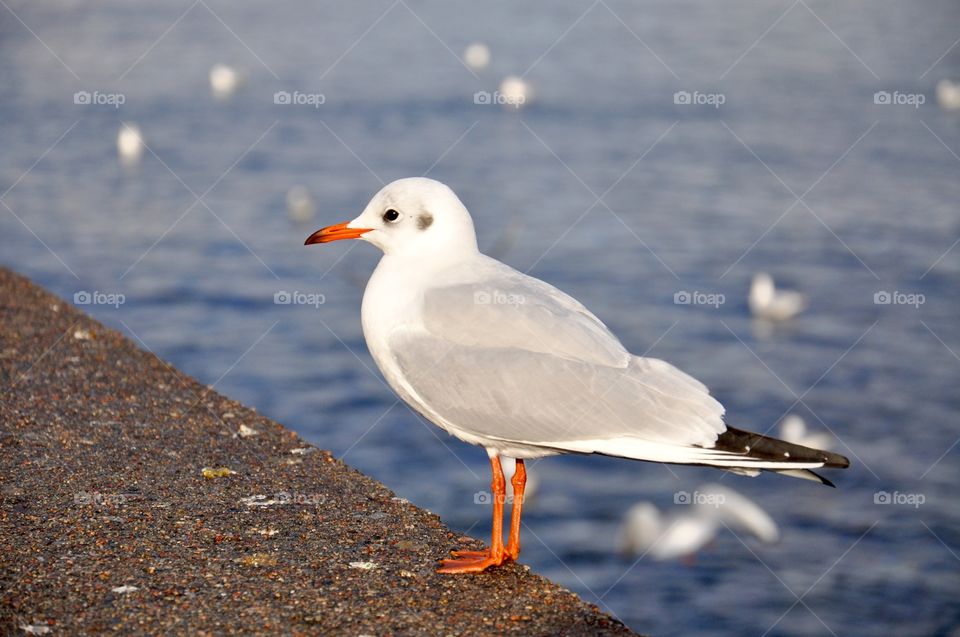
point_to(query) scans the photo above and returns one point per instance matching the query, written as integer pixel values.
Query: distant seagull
(693, 524)
(794, 429)
(767, 302)
(500, 359)
(515, 92)
(948, 95)
(510, 469)
(225, 81)
(477, 56)
(300, 204)
(129, 144)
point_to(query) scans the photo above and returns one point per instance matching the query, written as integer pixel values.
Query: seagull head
(762, 289)
(410, 217)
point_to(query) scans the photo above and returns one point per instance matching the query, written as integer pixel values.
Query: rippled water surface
(601, 185)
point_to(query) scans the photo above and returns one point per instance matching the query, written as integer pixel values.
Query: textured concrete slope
(108, 523)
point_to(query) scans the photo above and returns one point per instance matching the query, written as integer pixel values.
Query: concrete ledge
(108, 523)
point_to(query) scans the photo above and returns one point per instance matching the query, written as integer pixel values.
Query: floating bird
(515, 92)
(503, 360)
(793, 429)
(948, 95)
(767, 302)
(711, 507)
(477, 56)
(225, 81)
(300, 204)
(510, 470)
(129, 144)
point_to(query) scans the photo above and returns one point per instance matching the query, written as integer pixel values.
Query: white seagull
(503, 360)
(515, 92)
(948, 94)
(300, 204)
(477, 56)
(767, 302)
(794, 429)
(129, 144)
(225, 81)
(647, 531)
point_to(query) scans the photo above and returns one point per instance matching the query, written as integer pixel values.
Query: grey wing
(510, 393)
(507, 309)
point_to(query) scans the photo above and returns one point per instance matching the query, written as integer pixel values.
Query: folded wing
(512, 358)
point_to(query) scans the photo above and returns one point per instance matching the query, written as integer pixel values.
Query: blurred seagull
(129, 144)
(503, 360)
(515, 92)
(948, 94)
(477, 56)
(794, 429)
(647, 531)
(300, 204)
(767, 302)
(225, 81)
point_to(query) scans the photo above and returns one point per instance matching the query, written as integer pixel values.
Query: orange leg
(519, 481)
(479, 561)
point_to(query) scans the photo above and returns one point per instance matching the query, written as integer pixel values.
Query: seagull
(515, 92)
(300, 204)
(477, 56)
(500, 359)
(948, 94)
(794, 429)
(129, 144)
(647, 531)
(767, 302)
(225, 81)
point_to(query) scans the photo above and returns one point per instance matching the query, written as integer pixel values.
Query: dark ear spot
(424, 221)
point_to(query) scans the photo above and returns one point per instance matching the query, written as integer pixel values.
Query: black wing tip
(841, 462)
(824, 481)
(770, 448)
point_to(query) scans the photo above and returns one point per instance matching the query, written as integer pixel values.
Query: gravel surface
(136, 500)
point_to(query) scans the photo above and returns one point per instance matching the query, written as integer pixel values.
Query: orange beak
(335, 233)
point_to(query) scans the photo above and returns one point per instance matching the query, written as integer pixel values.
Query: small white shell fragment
(363, 566)
(126, 588)
(246, 432)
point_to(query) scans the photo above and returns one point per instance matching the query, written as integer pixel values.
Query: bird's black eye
(391, 215)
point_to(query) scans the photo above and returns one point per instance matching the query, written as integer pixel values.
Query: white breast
(393, 300)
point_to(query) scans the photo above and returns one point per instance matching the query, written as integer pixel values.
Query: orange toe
(476, 562)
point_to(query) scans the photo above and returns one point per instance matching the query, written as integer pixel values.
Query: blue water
(699, 212)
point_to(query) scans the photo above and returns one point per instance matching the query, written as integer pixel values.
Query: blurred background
(162, 164)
